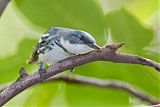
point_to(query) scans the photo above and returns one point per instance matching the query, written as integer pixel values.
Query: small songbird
(60, 43)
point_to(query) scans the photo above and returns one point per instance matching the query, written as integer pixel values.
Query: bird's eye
(81, 37)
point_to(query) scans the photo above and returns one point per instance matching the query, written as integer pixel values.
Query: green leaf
(125, 28)
(14, 45)
(10, 65)
(49, 93)
(78, 14)
(39, 96)
(85, 15)
(141, 9)
(80, 95)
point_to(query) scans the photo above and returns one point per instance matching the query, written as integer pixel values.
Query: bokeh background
(135, 22)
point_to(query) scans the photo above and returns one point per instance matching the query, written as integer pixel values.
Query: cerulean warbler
(60, 43)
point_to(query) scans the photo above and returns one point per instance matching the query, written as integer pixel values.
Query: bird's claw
(41, 73)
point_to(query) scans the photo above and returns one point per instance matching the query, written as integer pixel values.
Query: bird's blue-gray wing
(45, 44)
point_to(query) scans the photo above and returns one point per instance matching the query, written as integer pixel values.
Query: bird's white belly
(54, 55)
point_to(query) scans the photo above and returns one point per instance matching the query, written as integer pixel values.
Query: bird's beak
(94, 46)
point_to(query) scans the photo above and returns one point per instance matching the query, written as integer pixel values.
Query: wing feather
(48, 36)
(34, 57)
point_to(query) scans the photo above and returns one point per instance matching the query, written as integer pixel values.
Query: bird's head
(78, 41)
(82, 37)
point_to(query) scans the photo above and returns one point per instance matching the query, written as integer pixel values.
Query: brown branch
(76, 79)
(104, 54)
(3, 87)
(3, 5)
(106, 84)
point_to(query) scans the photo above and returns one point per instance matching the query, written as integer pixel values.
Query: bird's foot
(41, 73)
(71, 70)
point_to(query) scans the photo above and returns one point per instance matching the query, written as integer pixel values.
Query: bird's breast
(54, 55)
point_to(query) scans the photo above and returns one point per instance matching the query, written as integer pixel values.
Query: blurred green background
(134, 22)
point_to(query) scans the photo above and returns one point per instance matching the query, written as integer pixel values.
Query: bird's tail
(34, 58)
(30, 61)
(35, 54)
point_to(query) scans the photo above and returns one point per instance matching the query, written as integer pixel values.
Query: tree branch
(83, 80)
(3, 87)
(105, 84)
(3, 5)
(107, 53)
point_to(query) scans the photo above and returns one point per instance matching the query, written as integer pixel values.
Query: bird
(59, 43)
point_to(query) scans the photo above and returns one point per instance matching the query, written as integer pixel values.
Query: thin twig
(104, 54)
